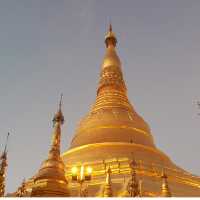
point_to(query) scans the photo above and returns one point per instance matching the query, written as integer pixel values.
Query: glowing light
(89, 170)
(82, 173)
(74, 170)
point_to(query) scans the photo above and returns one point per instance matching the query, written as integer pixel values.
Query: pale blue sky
(48, 47)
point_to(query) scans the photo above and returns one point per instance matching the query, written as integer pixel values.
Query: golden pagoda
(112, 131)
(105, 141)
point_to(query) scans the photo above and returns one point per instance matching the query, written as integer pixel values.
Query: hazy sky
(48, 47)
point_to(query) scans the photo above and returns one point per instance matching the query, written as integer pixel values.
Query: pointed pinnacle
(163, 174)
(110, 27)
(58, 117)
(3, 156)
(60, 103)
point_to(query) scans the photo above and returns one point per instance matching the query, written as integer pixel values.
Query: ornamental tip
(110, 38)
(163, 174)
(4, 154)
(110, 27)
(58, 117)
(60, 103)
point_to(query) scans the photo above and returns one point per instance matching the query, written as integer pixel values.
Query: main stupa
(112, 134)
(112, 153)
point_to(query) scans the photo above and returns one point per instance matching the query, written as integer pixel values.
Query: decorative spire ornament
(133, 185)
(110, 38)
(107, 190)
(58, 117)
(58, 121)
(165, 191)
(3, 167)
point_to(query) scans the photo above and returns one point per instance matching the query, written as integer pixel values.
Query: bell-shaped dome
(112, 117)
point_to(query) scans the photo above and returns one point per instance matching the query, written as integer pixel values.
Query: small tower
(107, 190)
(50, 181)
(133, 185)
(165, 191)
(21, 191)
(3, 167)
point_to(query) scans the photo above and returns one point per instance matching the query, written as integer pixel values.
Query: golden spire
(58, 120)
(107, 190)
(111, 74)
(165, 191)
(58, 117)
(3, 167)
(52, 170)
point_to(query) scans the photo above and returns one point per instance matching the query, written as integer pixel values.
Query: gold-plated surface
(112, 131)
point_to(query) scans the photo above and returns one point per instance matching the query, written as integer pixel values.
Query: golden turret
(165, 191)
(3, 167)
(51, 180)
(107, 190)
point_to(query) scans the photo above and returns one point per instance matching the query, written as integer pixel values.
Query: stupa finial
(58, 117)
(110, 27)
(58, 120)
(107, 190)
(60, 103)
(133, 185)
(6, 144)
(110, 38)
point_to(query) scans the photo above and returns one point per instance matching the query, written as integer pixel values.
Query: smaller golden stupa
(50, 181)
